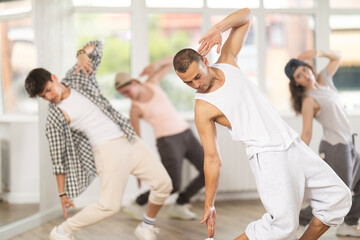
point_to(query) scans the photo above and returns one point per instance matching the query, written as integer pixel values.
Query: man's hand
(148, 70)
(210, 219)
(66, 203)
(84, 63)
(211, 38)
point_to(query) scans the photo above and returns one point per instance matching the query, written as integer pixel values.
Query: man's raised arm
(239, 22)
(89, 58)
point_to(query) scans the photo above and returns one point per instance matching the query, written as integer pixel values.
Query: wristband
(62, 194)
(79, 52)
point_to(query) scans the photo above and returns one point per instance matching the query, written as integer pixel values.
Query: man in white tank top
(279, 161)
(88, 137)
(174, 138)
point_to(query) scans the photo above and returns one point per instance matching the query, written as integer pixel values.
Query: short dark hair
(36, 81)
(184, 58)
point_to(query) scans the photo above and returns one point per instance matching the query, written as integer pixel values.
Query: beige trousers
(115, 161)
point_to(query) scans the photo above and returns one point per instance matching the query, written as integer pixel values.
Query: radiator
(4, 166)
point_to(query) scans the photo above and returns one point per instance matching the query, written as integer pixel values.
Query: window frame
(4, 18)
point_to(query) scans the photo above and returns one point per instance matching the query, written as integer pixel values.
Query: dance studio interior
(51, 34)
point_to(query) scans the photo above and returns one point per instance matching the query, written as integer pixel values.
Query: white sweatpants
(284, 179)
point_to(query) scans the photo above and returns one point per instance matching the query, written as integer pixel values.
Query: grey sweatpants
(284, 179)
(173, 149)
(345, 161)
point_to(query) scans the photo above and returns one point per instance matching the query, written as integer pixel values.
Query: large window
(175, 3)
(18, 57)
(113, 29)
(233, 4)
(349, 4)
(287, 36)
(281, 30)
(14, 7)
(289, 3)
(103, 3)
(247, 58)
(345, 37)
(168, 33)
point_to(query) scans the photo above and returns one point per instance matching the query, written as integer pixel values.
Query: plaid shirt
(70, 150)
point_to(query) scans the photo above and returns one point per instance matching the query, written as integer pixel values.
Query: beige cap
(122, 78)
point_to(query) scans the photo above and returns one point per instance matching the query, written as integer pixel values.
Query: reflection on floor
(13, 212)
(232, 219)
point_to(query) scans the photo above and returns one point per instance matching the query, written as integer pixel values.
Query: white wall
(22, 134)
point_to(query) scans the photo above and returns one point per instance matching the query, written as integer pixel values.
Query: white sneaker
(54, 235)
(182, 212)
(134, 210)
(348, 230)
(146, 233)
(300, 231)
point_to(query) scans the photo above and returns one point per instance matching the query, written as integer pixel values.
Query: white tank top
(253, 119)
(332, 115)
(86, 117)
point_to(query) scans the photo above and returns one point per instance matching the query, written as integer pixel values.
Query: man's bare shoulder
(135, 111)
(228, 59)
(205, 110)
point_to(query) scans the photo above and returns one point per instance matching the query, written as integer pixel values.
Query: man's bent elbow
(213, 160)
(247, 12)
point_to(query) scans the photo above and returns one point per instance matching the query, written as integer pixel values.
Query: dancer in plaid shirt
(88, 137)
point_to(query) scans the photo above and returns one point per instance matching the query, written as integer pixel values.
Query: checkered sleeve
(57, 145)
(81, 79)
(96, 55)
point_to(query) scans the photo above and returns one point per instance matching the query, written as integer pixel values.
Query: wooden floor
(232, 219)
(12, 212)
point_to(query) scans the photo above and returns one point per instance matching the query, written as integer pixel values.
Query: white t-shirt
(86, 117)
(253, 119)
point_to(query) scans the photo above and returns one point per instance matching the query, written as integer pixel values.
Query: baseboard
(227, 196)
(28, 223)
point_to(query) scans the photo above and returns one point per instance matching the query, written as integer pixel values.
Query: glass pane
(289, 3)
(169, 33)
(103, 3)
(114, 30)
(175, 3)
(233, 4)
(286, 37)
(344, 3)
(12, 7)
(18, 58)
(247, 58)
(345, 37)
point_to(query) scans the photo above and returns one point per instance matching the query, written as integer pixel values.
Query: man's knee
(337, 210)
(176, 185)
(164, 185)
(110, 209)
(284, 228)
(346, 201)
